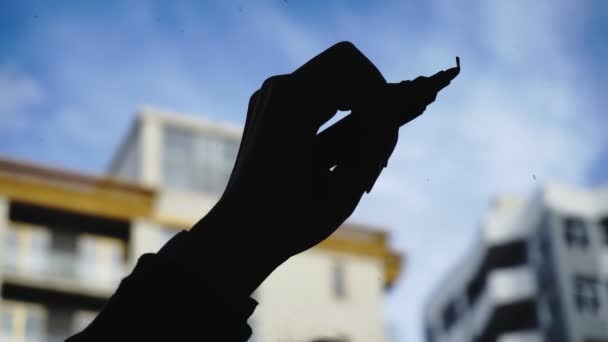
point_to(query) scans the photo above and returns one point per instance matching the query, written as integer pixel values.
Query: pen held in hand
(401, 103)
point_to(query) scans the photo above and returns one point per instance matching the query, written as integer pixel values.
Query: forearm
(196, 287)
(225, 247)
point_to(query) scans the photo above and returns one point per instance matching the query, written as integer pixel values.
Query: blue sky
(527, 104)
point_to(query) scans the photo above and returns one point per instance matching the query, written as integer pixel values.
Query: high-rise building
(538, 272)
(68, 239)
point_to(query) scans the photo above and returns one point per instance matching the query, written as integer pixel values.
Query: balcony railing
(502, 286)
(43, 265)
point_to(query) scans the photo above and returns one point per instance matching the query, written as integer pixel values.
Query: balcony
(503, 286)
(95, 268)
(27, 322)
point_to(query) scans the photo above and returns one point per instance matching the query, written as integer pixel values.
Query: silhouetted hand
(293, 186)
(281, 185)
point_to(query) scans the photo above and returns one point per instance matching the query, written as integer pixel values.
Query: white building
(69, 238)
(538, 272)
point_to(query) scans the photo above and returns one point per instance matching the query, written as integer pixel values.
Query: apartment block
(538, 272)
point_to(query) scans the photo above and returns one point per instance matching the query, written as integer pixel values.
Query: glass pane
(339, 280)
(177, 163)
(38, 249)
(7, 320)
(87, 258)
(34, 324)
(11, 253)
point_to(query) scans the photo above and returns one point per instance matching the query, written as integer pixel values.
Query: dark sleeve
(161, 301)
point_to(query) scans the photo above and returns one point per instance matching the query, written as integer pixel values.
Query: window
(197, 162)
(22, 321)
(339, 281)
(63, 253)
(26, 248)
(476, 287)
(34, 324)
(586, 296)
(38, 246)
(7, 324)
(575, 232)
(179, 169)
(430, 336)
(450, 316)
(604, 227)
(101, 259)
(544, 311)
(11, 251)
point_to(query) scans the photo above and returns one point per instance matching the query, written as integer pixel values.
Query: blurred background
(120, 120)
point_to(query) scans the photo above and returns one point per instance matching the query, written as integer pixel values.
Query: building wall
(299, 300)
(151, 149)
(452, 313)
(573, 261)
(146, 237)
(126, 163)
(4, 221)
(181, 206)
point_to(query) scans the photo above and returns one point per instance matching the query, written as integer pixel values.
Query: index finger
(339, 78)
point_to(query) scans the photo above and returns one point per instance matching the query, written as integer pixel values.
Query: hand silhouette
(293, 186)
(290, 188)
(281, 182)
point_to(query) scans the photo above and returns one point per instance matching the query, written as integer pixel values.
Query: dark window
(430, 336)
(575, 232)
(604, 227)
(339, 280)
(64, 241)
(476, 286)
(586, 296)
(450, 315)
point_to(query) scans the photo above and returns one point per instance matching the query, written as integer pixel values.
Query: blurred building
(539, 272)
(69, 238)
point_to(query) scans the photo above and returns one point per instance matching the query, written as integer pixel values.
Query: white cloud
(18, 93)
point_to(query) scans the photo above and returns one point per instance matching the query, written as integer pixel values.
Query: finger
(338, 196)
(342, 188)
(281, 110)
(248, 133)
(340, 78)
(334, 143)
(348, 138)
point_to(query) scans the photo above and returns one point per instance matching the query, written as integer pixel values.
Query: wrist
(222, 248)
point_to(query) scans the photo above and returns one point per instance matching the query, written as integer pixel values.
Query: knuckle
(254, 97)
(274, 81)
(280, 86)
(347, 48)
